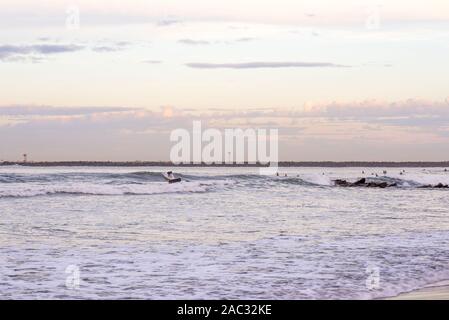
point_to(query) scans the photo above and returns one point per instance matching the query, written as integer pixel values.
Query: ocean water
(124, 233)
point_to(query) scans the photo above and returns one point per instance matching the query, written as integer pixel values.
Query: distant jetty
(283, 164)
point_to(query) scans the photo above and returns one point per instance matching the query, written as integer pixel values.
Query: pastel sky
(109, 80)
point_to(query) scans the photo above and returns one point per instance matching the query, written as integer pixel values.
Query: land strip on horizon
(283, 164)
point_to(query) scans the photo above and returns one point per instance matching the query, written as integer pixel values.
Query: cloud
(37, 52)
(367, 130)
(21, 52)
(194, 42)
(90, 134)
(105, 49)
(412, 113)
(400, 112)
(261, 65)
(207, 42)
(245, 39)
(168, 22)
(408, 113)
(152, 61)
(19, 110)
(115, 46)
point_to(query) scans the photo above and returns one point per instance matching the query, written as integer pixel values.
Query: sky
(109, 80)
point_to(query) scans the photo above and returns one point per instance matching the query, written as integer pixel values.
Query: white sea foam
(423, 178)
(317, 178)
(30, 189)
(282, 267)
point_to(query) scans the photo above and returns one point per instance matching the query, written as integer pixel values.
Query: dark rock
(438, 186)
(340, 182)
(362, 183)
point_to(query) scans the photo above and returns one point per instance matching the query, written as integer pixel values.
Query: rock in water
(363, 183)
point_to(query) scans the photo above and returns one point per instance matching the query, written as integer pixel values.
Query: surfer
(170, 177)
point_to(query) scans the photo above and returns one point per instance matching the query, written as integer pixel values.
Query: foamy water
(221, 233)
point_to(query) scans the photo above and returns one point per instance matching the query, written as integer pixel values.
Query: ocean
(222, 233)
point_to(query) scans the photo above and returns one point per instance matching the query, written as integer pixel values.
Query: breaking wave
(109, 189)
(150, 182)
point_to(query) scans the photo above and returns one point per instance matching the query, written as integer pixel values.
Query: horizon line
(323, 163)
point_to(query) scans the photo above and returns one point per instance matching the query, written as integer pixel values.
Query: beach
(435, 291)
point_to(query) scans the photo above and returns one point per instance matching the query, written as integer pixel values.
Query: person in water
(170, 175)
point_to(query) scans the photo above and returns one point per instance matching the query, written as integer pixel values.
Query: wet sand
(436, 291)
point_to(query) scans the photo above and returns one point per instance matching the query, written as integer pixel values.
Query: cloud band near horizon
(12, 51)
(262, 64)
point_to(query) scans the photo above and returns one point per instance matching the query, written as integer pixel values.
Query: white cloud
(264, 65)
